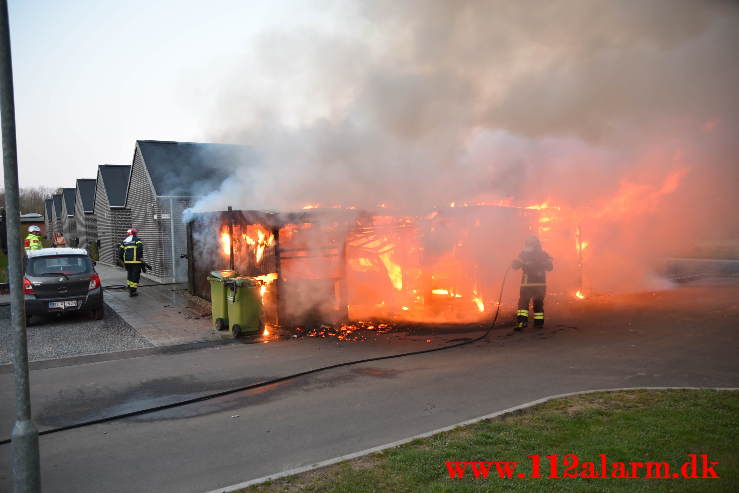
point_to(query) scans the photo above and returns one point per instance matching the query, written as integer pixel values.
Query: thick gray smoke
(420, 102)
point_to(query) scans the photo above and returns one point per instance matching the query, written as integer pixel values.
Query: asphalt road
(685, 337)
(70, 335)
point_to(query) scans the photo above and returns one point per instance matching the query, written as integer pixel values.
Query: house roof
(190, 168)
(57, 199)
(49, 203)
(86, 187)
(115, 180)
(32, 217)
(69, 199)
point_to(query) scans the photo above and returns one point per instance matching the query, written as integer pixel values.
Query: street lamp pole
(26, 464)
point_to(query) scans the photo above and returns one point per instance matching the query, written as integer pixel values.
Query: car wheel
(98, 313)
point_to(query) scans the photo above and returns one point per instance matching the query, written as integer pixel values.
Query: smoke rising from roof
(419, 103)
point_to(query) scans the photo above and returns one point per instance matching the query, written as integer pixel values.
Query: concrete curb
(380, 448)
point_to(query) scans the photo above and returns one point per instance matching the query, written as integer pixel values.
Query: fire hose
(273, 381)
(114, 287)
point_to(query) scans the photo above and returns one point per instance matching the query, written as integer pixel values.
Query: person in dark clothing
(535, 263)
(131, 253)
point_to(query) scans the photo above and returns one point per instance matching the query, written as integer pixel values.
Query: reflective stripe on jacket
(131, 252)
(33, 242)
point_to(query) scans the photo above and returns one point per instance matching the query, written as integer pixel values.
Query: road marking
(380, 448)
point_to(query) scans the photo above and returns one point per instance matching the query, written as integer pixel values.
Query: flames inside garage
(343, 265)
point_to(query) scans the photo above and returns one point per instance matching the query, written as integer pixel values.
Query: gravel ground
(70, 335)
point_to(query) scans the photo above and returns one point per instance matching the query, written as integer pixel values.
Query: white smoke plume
(422, 102)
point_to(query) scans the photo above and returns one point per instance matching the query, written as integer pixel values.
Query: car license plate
(63, 304)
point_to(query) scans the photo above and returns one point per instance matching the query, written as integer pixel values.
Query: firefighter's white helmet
(34, 229)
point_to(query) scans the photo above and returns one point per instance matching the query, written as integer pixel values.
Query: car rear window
(59, 264)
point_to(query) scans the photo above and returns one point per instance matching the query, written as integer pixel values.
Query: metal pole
(26, 468)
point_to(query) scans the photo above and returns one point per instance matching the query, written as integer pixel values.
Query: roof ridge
(152, 141)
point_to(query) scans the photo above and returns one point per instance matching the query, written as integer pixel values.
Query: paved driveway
(685, 337)
(70, 335)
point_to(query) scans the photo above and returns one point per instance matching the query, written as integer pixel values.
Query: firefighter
(131, 253)
(33, 240)
(534, 262)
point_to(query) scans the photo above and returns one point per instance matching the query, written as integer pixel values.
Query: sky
(624, 111)
(92, 77)
(371, 98)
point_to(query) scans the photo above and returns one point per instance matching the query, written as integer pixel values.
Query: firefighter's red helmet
(132, 231)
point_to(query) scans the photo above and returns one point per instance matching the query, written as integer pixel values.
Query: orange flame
(264, 281)
(635, 198)
(394, 271)
(226, 243)
(543, 205)
(477, 299)
(262, 240)
(580, 295)
(266, 278)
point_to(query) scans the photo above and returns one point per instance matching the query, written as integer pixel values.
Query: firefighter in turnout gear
(33, 240)
(535, 263)
(131, 253)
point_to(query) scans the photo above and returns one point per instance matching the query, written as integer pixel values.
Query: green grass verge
(628, 426)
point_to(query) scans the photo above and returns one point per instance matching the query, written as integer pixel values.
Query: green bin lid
(223, 274)
(243, 281)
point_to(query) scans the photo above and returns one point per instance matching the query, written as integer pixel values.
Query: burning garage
(336, 265)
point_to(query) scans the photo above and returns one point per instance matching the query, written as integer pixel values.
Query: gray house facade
(56, 217)
(49, 217)
(112, 218)
(166, 178)
(84, 209)
(69, 228)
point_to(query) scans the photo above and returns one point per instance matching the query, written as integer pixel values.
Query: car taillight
(94, 282)
(27, 286)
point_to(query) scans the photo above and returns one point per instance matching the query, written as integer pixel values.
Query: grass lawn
(655, 425)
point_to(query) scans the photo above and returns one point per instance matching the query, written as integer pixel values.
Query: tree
(31, 199)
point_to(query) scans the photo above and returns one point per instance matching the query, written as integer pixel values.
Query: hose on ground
(293, 376)
(114, 287)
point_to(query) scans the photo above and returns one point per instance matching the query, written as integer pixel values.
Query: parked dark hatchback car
(59, 280)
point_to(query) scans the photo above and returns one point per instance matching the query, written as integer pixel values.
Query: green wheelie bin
(244, 306)
(219, 312)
